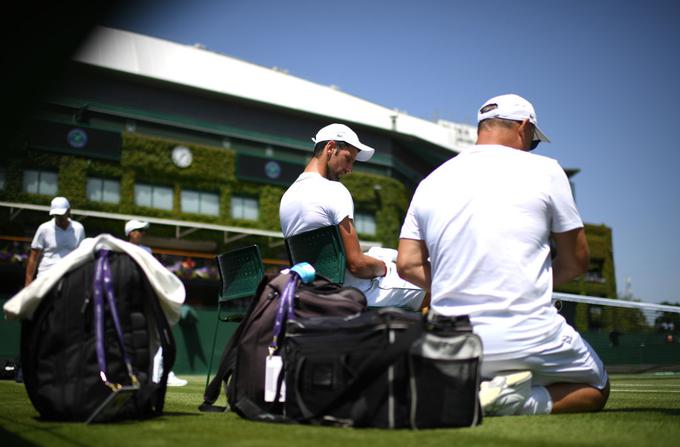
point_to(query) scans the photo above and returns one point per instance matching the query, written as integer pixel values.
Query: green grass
(642, 410)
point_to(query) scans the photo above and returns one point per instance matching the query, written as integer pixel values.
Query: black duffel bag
(244, 359)
(385, 368)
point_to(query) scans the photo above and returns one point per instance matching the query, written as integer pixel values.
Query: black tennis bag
(243, 363)
(385, 368)
(62, 365)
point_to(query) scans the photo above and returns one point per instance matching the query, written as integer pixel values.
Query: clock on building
(182, 157)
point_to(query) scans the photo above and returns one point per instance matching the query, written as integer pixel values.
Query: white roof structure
(196, 67)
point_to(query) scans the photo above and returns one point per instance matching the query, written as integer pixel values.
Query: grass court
(642, 410)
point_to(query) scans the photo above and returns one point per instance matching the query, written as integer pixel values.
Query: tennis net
(629, 336)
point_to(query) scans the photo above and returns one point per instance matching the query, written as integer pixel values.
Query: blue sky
(602, 75)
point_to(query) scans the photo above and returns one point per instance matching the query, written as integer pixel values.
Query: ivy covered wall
(384, 197)
(601, 252)
(148, 160)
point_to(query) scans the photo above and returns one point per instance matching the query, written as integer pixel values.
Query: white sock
(539, 402)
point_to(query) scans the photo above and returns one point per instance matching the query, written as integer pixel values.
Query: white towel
(168, 287)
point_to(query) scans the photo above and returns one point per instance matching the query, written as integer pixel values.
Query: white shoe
(505, 394)
(173, 380)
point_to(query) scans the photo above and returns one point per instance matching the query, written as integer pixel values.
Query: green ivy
(73, 180)
(152, 158)
(385, 197)
(270, 197)
(146, 159)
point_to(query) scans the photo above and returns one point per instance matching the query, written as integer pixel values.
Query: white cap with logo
(59, 206)
(135, 224)
(511, 107)
(340, 132)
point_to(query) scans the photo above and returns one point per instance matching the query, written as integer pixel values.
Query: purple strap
(284, 311)
(104, 285)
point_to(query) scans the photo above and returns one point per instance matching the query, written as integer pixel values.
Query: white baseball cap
(59, 206)
(340, 132)
(135, 224)
(511, 107)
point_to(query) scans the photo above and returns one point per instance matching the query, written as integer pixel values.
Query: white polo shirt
(312, 202)
(486, 217)
(55, 243)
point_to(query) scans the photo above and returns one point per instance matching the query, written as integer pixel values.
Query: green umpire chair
(241, 271)
(323, 248)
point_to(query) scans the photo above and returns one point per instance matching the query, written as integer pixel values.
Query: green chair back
(322, 248)
(241, 271)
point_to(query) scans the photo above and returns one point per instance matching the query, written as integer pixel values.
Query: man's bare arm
(572, 255)
(358, 264)
(412, 263)
(31, 264)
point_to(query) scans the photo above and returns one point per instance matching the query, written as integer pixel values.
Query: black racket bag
(61, 349)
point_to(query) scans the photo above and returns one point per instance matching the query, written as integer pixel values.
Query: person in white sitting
(318, 199)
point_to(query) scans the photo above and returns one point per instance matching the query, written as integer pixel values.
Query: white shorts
(388, 290)
(573, 360)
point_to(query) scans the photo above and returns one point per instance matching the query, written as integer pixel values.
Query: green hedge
(385, 197)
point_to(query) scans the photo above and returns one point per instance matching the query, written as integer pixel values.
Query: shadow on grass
(163, 416)
(10, 439)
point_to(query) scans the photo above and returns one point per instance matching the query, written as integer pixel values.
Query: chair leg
(212, 348)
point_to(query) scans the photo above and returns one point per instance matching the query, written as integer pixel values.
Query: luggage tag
(271, 379)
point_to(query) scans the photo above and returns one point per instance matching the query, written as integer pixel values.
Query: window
(40, 182)
(153, 196)
(2, 179)
(595, 271)
(364, 223)
(103, 190)
(200, 202)
(244, 208)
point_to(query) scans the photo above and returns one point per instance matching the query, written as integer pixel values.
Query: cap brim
(539, 135)
(58, 211)
(365, 152)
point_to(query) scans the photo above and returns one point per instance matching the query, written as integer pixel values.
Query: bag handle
(302, 272)
(103, 285)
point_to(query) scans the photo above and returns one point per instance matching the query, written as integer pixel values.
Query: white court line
(650, 385)
(622, 390)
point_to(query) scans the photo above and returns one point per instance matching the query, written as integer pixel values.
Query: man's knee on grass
(577, 398)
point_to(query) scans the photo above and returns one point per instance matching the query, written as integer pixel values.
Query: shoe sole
(511, 380)
(487, 396)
